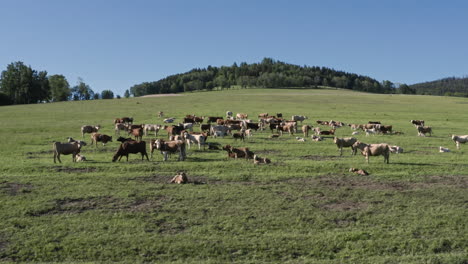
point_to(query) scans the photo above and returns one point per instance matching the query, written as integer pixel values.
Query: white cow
(196, 139)
(299, 118)
(460, 140)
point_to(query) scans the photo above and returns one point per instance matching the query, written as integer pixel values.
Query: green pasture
(304, 207)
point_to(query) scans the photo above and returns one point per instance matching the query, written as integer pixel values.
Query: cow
(122, 139)
(187, 126)
(228, 114)
(373, 150)
(188, 120)
(174, 130)
(359, 171)
(198, 119)
(248, 133)
(385, 129)
(306, 129)
(316, 138)
(417, 123)
(169, 120)
(286, 128)
(169, 147)
(219, 131)
(97, 137)
(89, 129)
(127, 120)
(300, 139)
(80, 158)
(160, 114)
(68, 148)
(151, 127)
(354, 126)
(119, 127)
(238, 152)
(298, 118)
(459, 140)
(369, 131)
(374, 122)
(132, 147)
(329, 132)
(442, 149)
(257, 160)
(240, 136)
(205, 127)
(396, 149)
(279, 115)
(263, 115)
(423, 130)
(137, 133)
(180, 178)
(345, 143)
(241, 116)
(213, 119)
(196, 139)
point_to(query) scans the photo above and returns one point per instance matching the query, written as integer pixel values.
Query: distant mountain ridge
(452, 86)
(267, 74)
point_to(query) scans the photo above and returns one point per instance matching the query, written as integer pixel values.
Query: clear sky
(115, 44)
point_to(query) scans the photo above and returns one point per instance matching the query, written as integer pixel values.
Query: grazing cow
(385, 129)
(369, 131)
(254, 126)
(174, 130)
(68, 148)
(286, 128)
(442, 149)
(238, 152)
(345, 143)
(89, 129)
(460, 140)
(119, 127)
(132, 147)
(169, 120)
(298, 118)
(241, 116)
(228, 114)
(234, 127)
(122, 139)
(137, 133)
(240, 136)
(198, 119)
(188, 120)
(187, 126)
(354, 126)
(219, 131)
(417, 123)
(160, 114)
(355, 133)
(205, 127)
(359, 171)
(374, 122)
(368, 126)
(196, 139)
(214, 119)
(279, 115)
(329, 132)
(316, 138)
(151, 127)
(263, 115)
(127, 120)
(373, 150)
(306, 129)
(169, 147)
(396, 149)
(423, 130)
(180, 178)
(97, 137)
(317, 130)
(257, 160)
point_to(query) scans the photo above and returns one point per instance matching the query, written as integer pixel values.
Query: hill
(267, 74)
(452, 86)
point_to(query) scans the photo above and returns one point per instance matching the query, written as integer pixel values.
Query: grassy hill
(305, 207)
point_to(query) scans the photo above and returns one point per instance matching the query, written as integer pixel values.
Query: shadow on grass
(416, 164)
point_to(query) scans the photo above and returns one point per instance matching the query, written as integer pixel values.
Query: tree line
(20, 84)
(451, 86)
(267, 74)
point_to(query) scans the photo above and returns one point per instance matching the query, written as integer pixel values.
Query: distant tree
(23, 85)
(118, 96)
(82, 91)
(59, 88)
(107, 94)
(5, 100)
(127, 94)
(405, 89)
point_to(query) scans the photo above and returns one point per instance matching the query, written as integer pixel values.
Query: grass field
(305, 207)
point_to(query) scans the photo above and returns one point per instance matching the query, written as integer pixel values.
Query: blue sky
(116, 44)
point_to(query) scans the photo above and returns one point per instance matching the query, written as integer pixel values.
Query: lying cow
(238, 152)
(396, 149)
(66, 149)
(442, 149)
(345, 143)
(131, 147)
(373, 150)
(359, 171)
(460, 140)
(257, 160)
(180, 178)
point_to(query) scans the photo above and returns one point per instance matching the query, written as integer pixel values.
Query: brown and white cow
(373, 150)
(345, 143)
(460, 140)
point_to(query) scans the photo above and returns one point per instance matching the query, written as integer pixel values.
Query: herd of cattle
(182, 136)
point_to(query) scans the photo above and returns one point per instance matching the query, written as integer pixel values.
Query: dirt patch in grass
(13, 188)
(73, 170)
(79, 205)
(151, 204)
(35, 155)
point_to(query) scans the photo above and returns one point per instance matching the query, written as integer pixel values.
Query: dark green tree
(23, 85)
(127, 93)
(59, 88)
(82, 91)
(107, 94)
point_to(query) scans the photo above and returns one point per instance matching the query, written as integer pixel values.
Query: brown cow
(133, 147)
(97, 137)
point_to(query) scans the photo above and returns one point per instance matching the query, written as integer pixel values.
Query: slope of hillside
(448, 86)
